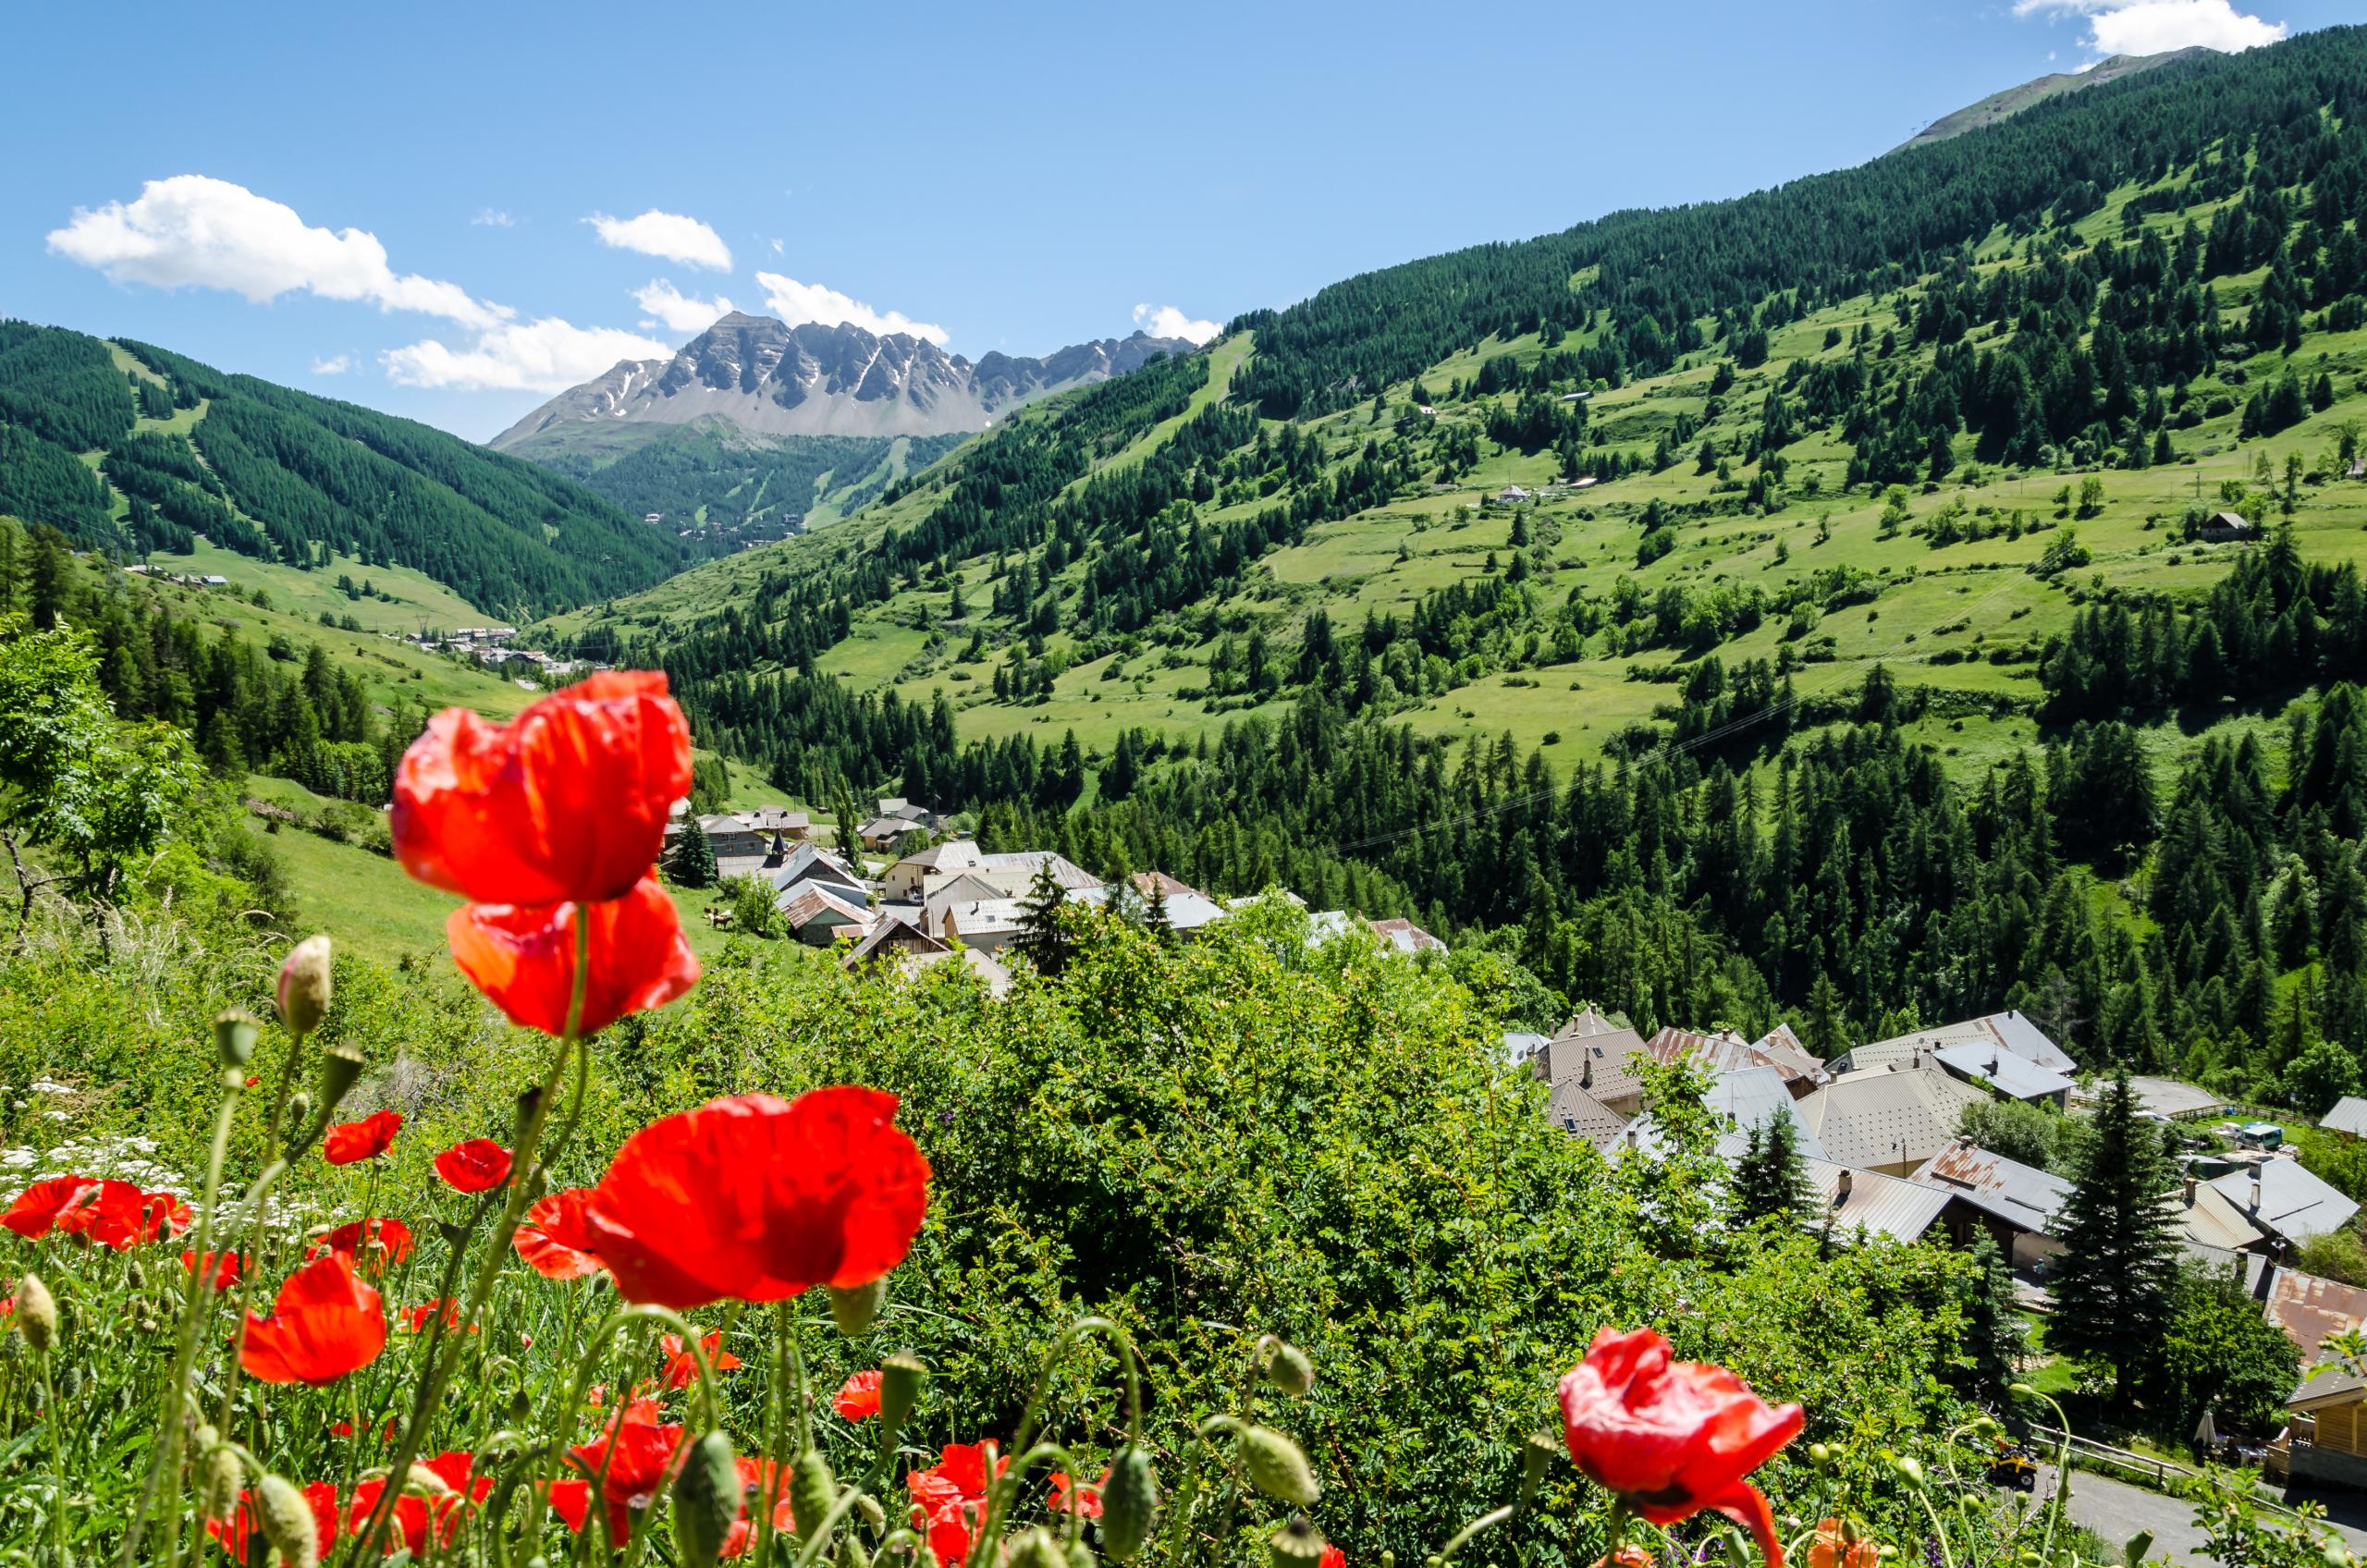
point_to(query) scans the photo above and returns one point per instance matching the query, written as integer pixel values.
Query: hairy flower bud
(221, 1495)
(1278, 1467)
(36, 1313)
(855, 1305)
(304, 986)
(1080, 1555)
(234, 1037)
(427, 1483)
(707, 1499)
(1289, 1370)
(851, 1552)
(1297, 1544)
(1037, 1549)
(811, 1490)
(900, 1377)
(1129, 1504)
(340, 1069)
(286, 1522)
(299, 1113)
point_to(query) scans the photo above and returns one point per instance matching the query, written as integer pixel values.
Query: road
(2116, 1511)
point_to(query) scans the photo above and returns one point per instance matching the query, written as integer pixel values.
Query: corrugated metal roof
(2312, 1310)
(2349, 1115)
(2291, 1203)
(1741, 1102)
(1575, 1110)
(1784, 1048)
(2167, 1096)
(2017, 1194)
(1587, 1021)
(1882, 1205)
(2209, 1218)
(2009, 1030)
(1727, 1051)
(1888, 1118)
(2009, 1074)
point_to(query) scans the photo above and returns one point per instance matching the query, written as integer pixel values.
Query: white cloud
(677, 311)
(549, 355)
(1166, 321)
(2155, 27)
(493, 217)
(334, 365)
(797, 302)
(680, 239)
(190, 231)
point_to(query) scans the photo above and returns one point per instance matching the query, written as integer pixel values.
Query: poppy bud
(855, 1305)
(1037, 1549)
(1129, 1504)
(900, 1377)
(2021, 1391)
(286, 1521)
(1080, 1554)
(420, 1478)
(1277, 1467)
(521, 1408)
(340, 1069)
(868, 1506)
(1536, 1457)
(36, 1313)
(1911, 1470)
(2138, 1545)
(1289, 1370)
(811, 1490)
(300, 1112)
(234, 1037)
(522, 1114)
(135, 1275)
(221, 1479)
(304, 986)
(851, 1552)
(1296, 1545)
(707, 1499)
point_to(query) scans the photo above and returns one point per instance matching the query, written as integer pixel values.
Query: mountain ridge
(2012, 101)
(815, 379)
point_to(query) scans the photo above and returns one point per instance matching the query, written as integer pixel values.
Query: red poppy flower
(1333, 1557)
(1087, 1501)
(344, 1429)
(949, 1510)
(759, 1478)
(1672, 1437)
(1837, 1546)
(567, 801)
(375, 1246)
(35, 1213)
(522, 957)
(554, 1240)
(416, 1318)
(239, 1530)
(682, 1367)
(324, 1324)
(858, 1396)
(638, 1456)
(413, 1511)
(759, 1198)
(348, 1143)
(224, 1264)
(477, 1165)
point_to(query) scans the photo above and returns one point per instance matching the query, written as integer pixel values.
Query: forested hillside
(1816, 603)
(131, 449)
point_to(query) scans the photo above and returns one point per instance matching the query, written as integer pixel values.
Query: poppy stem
(523, 1173)
(256, 1195)
(50, 1418)
(195, 1302)
(804, 1394)
(1485, 1522)
(770, 1453)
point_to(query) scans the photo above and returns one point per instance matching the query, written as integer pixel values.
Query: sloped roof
(1406, 937)
(2019, 1195)
(1887, 1118)
(2312, 1310)
(1727, 1051)
(954, 854)
(896, 931)
(2349, 1115)
(2009, 1030)
(1882, 1205)
(2208, 1218)
(1597, 1062)
(810, 862)
(2013, 1076)
(1782, 1049)
(812, 902)
(1070, 875)
(1575, 1110)
(1741, 1103)
(2167, 1096)
(2293, 1204)
(1587, 1021)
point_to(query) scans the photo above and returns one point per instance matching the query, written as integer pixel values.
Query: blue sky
(403, 205)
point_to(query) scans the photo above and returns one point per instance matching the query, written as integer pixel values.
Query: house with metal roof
(2212, 1225)
(2018, 1204)
(1740, 1103)
(2348, 1116)
(1852, 1203)
(1575, 1110)
(1725, 1051)
(812, 865)
(818, 916)
(2007, 1031)
(1888, 1121)
(2002, 1073)
(2327, 1441)
(2286, 1201)
(1597, 1063)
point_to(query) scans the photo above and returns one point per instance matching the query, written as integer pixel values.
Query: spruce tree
(693, 862)
(2115, 1283)
(1041, 935)
(1771, 1181)
(1993, 1336)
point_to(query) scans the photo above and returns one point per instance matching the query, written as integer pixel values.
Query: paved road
(2116, 1511)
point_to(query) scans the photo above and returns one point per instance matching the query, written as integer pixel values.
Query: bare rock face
(773, 379)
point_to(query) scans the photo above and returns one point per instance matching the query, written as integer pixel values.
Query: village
(1879, 1129)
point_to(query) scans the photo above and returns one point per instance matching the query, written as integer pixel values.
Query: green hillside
(132, 449)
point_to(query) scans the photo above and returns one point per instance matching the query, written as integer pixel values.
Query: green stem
(1000, 1489)
(523, 1168)
(776, 1391)
(197, 1298)
(257, 1195)
(49, 1418)
(1485, 1522)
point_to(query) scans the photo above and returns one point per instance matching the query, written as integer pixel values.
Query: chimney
(2189, 1190)
(1848, 1178)
(2255, 1207)
(1585, 1072)
(1991, 1071)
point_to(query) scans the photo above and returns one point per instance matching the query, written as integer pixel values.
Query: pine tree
(1770, 1182)
(1994, 1335)
(691, 864)
(2116, 1279)
(1042, 938)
